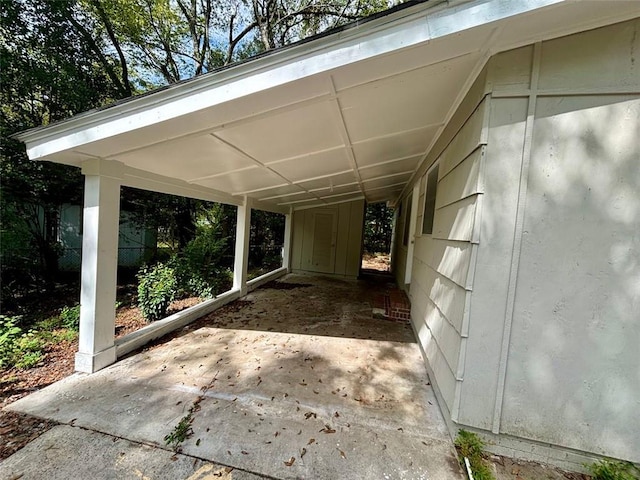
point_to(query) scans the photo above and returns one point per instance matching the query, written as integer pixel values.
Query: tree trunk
(185, 225)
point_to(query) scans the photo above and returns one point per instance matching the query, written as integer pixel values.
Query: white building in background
(135, 244)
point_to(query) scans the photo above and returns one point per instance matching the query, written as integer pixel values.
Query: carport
(297, 380)
(343, 118)
(472, 117)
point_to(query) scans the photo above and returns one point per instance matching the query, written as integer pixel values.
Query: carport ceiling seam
(260, 164)
(344, 133)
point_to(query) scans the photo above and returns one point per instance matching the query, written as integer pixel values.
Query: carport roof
(345, 116)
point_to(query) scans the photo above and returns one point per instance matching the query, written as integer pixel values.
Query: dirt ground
(510, 469)
(376, 261)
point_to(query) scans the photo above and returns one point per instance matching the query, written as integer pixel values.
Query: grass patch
(471, 446)
(614, 470)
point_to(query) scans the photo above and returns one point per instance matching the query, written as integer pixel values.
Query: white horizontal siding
(466, 141)
(455, 221)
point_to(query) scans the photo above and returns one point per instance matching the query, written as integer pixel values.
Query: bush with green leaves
(157, 288)
(70, 317)
(10, 333)
(614, 470)
(19, 349)
(198, 265)
(471, 446)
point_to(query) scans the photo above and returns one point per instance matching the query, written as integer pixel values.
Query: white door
(323, 252)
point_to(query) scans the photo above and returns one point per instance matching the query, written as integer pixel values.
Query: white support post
(96, 347)
(242, 247)
(286, 248)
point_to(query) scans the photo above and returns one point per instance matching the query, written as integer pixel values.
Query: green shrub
(157, 288)
(70, 317)
(471, 446)
(10, 333)
(19, 349)
(29, 359)
(198, 265)
(614, 470)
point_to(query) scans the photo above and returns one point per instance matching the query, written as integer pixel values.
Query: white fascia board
(396, 31)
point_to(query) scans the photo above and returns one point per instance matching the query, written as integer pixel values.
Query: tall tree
(48, 72)
(165, 41)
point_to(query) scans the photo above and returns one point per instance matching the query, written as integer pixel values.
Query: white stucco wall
(526, 299)
(554, 331)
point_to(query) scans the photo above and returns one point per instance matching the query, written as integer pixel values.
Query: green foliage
(157, 288)
(614, 470)
(29, 359)
(180, 432)
(378, 225)
(49, 72)
(198, 266)
(19, 349)
(70, 318)
(471, 446)
(9, 335)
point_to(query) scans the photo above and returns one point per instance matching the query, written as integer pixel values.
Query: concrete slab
(66, 452)
(302, 372)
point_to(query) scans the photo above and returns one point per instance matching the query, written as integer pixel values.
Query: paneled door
(325, 229)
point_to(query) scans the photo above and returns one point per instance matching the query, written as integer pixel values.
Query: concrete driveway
(298, 381)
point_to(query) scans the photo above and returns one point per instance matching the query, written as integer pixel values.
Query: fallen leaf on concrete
(303, 452)
(336, 414)
(308, 415)
(290, 462)
(244, 452)
(311, 440)
(342, 454)
(197, 442)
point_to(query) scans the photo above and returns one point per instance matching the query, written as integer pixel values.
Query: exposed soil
(510, 469)
(57, 363)
(376, 261)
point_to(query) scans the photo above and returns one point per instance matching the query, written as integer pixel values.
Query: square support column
(241, 263)
(286, 247)
(96, 347)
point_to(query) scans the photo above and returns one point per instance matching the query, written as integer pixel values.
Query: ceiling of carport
(361, 136)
